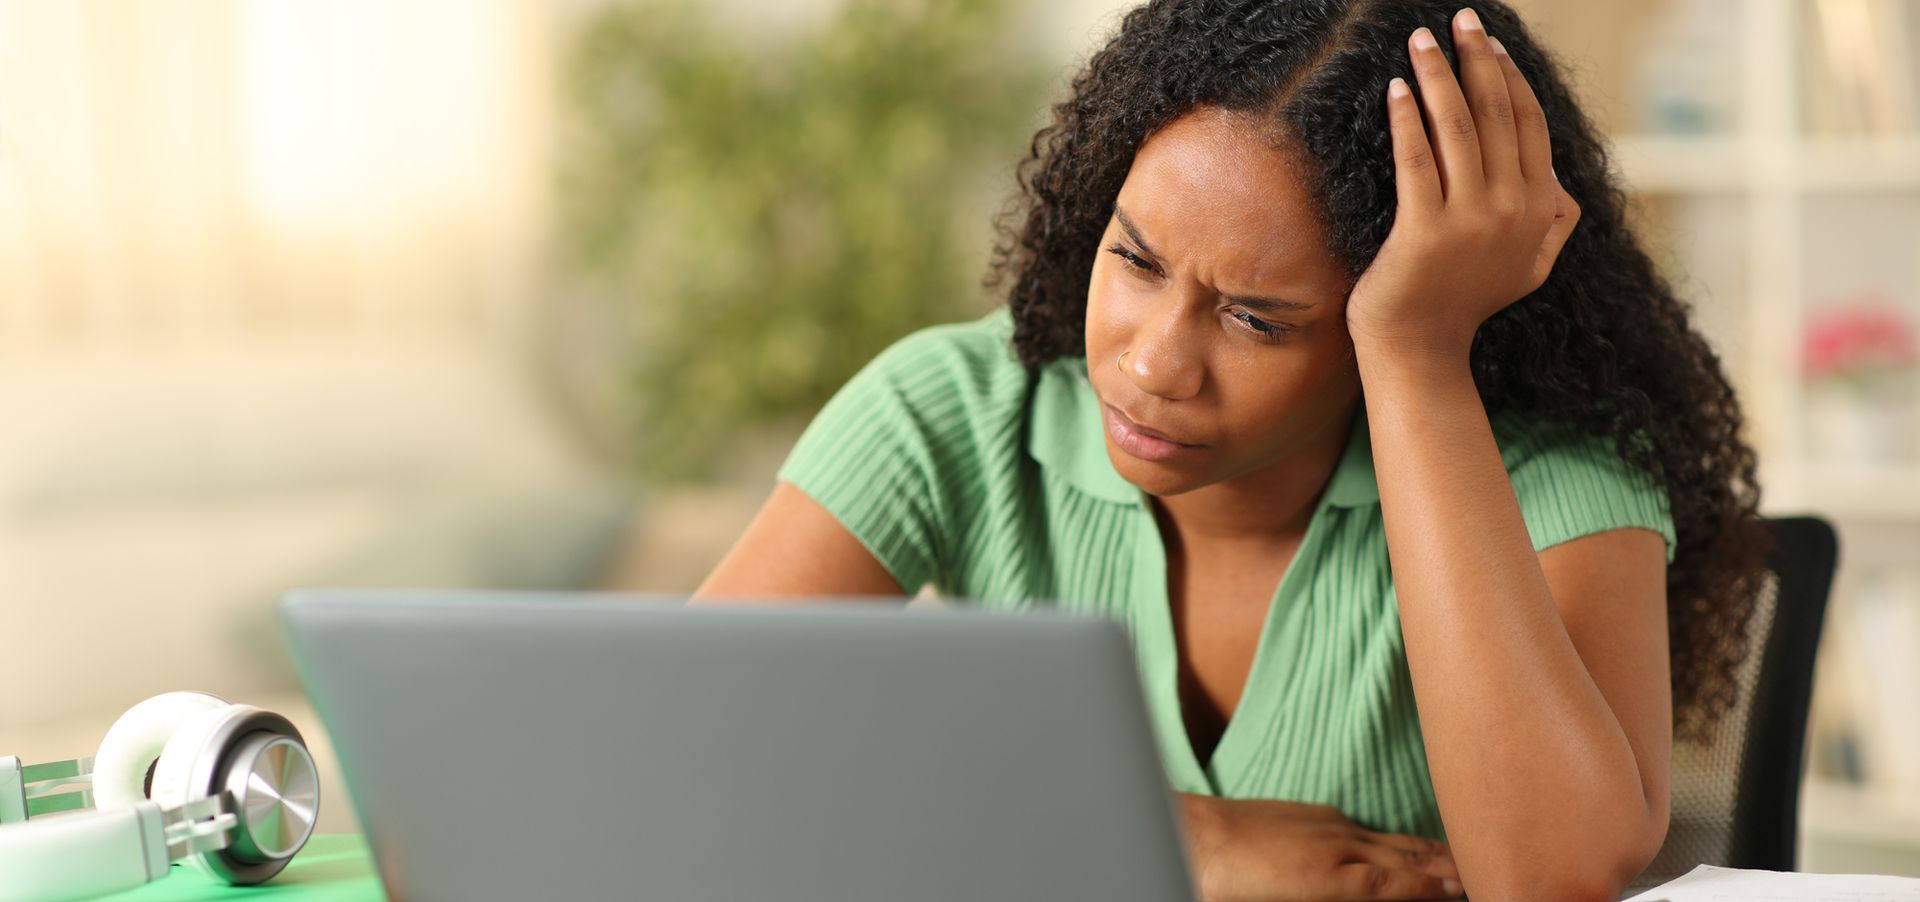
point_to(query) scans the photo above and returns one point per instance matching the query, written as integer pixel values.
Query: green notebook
(333, 867)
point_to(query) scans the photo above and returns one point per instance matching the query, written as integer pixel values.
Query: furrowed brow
(1264, 305)
(1268, 305)
(1133, 232)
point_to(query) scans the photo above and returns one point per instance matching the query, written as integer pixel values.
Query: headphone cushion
(135, 742)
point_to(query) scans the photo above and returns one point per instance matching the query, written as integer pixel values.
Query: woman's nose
(1162, 360)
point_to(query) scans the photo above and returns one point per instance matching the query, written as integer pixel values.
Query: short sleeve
(892, 450)
(1573, 486)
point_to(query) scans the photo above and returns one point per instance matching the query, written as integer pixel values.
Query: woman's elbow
(1592, 870)
(1569, 884)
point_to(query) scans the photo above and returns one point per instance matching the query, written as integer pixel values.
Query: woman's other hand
(1481, 216)
(1252, 850)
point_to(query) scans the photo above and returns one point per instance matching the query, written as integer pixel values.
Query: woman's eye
(1134, 260)
(1259, 326)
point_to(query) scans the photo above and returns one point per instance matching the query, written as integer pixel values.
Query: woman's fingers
(1456, 140)
(1530, 125)
(1367, 880)
(1415, 843)
(1566, 214)
(1433, 864)
(1486, 88)
(1416, 174)
(1473, 164)
(1393, 866)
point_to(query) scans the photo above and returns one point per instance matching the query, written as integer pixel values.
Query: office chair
(1735, 796)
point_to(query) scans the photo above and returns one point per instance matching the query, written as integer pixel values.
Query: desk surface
(332, 868)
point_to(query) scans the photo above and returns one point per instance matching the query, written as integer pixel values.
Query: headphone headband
(36, 789)
(83, 855)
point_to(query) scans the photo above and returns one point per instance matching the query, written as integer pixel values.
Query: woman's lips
(1141, 442)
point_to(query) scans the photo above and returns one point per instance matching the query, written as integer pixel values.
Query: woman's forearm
(1537, 782)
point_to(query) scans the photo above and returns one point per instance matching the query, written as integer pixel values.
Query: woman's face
(1214, 280)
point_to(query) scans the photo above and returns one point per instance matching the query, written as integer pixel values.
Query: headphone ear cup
(195, 764)
(135, 741)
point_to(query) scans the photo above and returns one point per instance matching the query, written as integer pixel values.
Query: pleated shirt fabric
(956, 466)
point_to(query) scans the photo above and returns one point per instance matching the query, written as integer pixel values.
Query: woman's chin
(1160, 478)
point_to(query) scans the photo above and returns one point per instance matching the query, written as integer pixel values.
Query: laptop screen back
(524, 746)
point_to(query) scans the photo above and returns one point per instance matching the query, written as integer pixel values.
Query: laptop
(514, 746)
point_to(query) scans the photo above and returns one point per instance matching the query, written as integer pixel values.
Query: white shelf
(1726, 164)
(1855, 829)
(1860, 164)
(1885, 491)
(1661, 164)
(1773, 170)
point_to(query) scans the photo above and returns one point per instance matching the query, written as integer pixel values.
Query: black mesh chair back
(1736, 795)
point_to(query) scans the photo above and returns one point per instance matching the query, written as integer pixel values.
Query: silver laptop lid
(574, 746)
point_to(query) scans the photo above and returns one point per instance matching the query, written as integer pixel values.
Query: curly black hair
(1603, 348)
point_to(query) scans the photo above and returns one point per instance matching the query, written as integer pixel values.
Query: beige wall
(263, 270)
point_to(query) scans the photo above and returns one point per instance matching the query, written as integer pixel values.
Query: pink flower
(1856, 340)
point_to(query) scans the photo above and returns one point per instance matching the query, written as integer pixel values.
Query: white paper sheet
(1707, 883)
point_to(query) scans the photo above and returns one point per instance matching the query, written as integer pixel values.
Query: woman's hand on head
(1257, 850)
(1481, 216)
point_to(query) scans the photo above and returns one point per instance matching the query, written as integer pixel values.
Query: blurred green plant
(768, 212)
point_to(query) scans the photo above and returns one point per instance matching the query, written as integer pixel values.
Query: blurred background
(537, 293)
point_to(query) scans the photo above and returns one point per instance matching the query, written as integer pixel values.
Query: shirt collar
(1067, 435)
(1353, 483)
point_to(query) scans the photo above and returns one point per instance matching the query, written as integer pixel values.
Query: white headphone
(233, 791)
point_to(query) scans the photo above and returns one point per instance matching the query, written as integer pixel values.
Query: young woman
(1361, 407)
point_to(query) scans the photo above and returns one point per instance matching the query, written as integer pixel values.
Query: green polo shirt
(958, 467)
